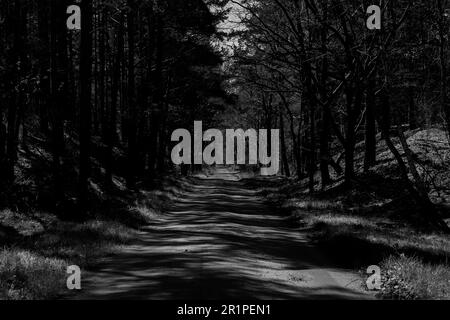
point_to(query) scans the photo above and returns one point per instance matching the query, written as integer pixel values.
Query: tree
(85, 100)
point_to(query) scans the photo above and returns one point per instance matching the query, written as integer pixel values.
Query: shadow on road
(219, 241)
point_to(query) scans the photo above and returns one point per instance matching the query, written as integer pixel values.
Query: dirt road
(219, 241)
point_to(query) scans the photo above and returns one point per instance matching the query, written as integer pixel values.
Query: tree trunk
(102, 27)
(419, 183)
(412, 112)
(85, 100)
(58, 89)
(155, 127)
(443, 64)
(151, 44)
(350, 141)
(325, 149)
(13, 107)
(44, 44)
(164, 107)
(111, 136)
(131, 119)
(296, 149)
(370, 132)
(354, 101)
(284, 157)
(325, 133)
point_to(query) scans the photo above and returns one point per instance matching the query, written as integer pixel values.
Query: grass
(410, 278)
(415, 264)
(35, 267)
(81, 244)
(373, 224)
(26, 275)
(312, 204)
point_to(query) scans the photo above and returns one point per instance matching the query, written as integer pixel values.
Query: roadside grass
(25, 275)
(409, 278)
(373, 223)
(415, 265)
(81, 244)
(34, 267)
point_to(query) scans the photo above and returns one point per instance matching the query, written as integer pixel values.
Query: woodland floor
(218, 240)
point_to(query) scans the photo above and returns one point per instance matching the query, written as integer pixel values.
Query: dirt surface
(221, 241)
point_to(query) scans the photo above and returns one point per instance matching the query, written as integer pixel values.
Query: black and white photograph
(223, 155)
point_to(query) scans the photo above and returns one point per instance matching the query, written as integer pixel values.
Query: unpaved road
(220, 241)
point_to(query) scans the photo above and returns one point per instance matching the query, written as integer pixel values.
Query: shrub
(24, 275)
(410, 278)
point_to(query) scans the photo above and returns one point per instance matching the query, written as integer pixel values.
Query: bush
(409, 278)
(24, 275)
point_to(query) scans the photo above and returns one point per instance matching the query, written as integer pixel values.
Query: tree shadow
(219, 241)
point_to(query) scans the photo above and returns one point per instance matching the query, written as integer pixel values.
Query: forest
(88, 107)
(104, 92)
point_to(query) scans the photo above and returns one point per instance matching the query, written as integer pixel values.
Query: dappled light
(220, 240)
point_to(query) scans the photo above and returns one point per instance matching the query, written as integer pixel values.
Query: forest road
(220, 241)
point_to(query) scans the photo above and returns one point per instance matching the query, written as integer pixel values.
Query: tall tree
(111, 138)
(85, 99)
(131, 117)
